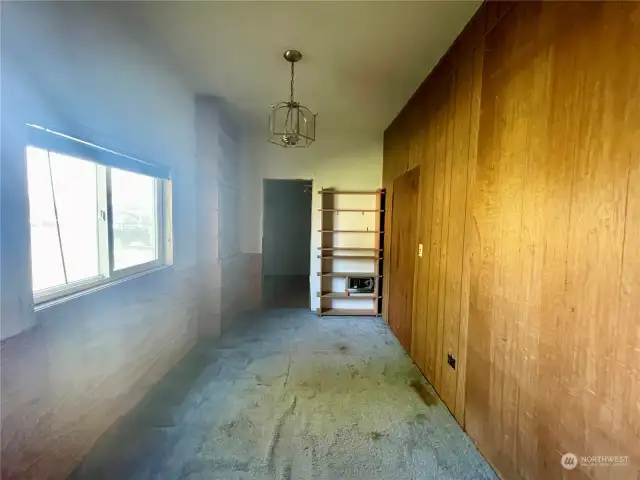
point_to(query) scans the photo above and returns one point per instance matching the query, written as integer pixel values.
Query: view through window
(65, 222)
(134, 218)
(70, 222)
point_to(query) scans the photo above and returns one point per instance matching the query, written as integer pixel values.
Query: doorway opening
(286, 243)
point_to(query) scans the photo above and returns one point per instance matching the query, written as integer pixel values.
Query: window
(91, 222)
(135, 219)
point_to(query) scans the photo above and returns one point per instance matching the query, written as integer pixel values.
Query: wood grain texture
(434, 130)
(457, 214)
(402, 265)
(463, 330)
(420, 327)
(550, 206)
(444, 259)
(435, 247)
(528, 134)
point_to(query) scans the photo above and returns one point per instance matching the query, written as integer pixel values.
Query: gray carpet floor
(287, 395)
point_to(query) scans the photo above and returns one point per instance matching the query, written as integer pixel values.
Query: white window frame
(108, 275)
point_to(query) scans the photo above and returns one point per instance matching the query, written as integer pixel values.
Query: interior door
(404, 221)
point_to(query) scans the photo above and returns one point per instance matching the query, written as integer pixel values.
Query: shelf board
(348, 274)
(350, 231)
(349, 296)
(349, 257)
(346, 312)
(349, 210)
(360, 249)
(352, 192)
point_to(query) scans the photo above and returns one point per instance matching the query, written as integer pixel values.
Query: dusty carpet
(285, 394)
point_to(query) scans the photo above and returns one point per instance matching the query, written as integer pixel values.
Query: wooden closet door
(404, 223)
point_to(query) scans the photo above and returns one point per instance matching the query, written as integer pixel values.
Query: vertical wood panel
(537, 267)
(555, 127)
(435, 247)
(625, 427)
(457, 219)
(530, 219)
(419, 330)
(468, 249)
(433, 131)
(428, 158)
(596, 233)
(626, 379)
(441, 362)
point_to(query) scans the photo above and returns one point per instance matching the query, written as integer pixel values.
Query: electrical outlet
(451, 360)
(420, 250)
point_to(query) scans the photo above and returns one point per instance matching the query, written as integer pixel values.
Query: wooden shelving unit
(348, 210)
(350, 231)
(329, 191)
(358, 249)
(352, 296)
(349, 257)
(331, 250)
(348, 274)
(348, 312)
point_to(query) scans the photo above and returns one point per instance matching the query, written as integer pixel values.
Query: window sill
(108, 283)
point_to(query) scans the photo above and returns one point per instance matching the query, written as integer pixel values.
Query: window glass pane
(63, 249)
(134, 201)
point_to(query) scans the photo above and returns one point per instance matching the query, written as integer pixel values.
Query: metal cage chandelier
(292, 125)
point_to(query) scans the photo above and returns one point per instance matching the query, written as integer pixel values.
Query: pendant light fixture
(292, 125)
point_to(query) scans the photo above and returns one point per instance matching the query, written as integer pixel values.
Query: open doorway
(286, 243)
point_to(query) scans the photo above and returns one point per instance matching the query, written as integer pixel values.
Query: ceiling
(362, 60)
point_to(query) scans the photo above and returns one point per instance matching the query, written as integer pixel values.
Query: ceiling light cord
(292, 65)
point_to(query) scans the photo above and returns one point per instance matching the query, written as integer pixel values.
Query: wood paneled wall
(530, 222)
(436, 132)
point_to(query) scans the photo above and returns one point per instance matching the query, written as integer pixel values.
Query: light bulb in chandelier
(290, 139)
(291, 124)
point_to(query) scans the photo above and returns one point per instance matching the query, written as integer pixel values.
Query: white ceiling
(362, 59)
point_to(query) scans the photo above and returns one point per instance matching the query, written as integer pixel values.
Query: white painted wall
(347, 162)
(71, 67)
(71, 369)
